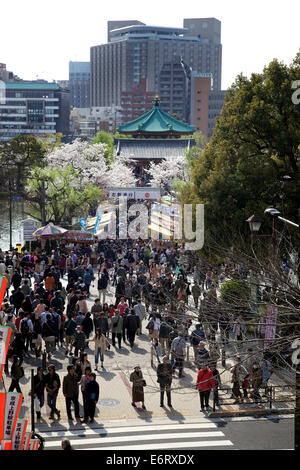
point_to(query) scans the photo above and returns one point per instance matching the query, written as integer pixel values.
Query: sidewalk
(115, 387)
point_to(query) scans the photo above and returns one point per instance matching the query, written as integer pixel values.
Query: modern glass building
(36, 108)
(139, 51)
(79, 83)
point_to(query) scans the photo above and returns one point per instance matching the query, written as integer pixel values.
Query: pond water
(17, 227)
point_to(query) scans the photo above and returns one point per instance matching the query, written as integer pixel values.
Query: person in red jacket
(205, 383)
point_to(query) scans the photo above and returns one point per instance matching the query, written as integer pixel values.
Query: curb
(253, 412)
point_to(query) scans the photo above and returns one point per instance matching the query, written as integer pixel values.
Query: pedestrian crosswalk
(144, 437)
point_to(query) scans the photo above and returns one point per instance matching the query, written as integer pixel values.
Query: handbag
(144, 383)
(150, 325)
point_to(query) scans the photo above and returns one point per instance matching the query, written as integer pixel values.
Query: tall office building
(140, 51)
(33, 107)
(174, 88)
(79, 83)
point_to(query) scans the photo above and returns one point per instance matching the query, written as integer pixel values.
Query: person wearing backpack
(26, 329)
(17, 373)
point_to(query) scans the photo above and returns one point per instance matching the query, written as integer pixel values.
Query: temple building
(153, 136)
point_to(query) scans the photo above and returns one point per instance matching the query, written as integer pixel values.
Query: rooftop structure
(156, 123)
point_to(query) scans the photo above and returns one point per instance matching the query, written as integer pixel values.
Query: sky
(38, 39)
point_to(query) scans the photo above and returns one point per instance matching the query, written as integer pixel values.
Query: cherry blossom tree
(121, 173)
(165, 173)
(86, 159)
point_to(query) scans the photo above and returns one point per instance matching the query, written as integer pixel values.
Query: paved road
(243, 433)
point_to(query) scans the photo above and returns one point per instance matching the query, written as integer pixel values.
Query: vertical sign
(29, 226)
(19, 434)
(12, 408)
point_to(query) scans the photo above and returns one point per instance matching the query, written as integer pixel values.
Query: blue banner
(82, 223)
(98, 221)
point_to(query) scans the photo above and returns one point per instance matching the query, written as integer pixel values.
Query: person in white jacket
(101, 346)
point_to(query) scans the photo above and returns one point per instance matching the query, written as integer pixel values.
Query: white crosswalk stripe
(174, 436)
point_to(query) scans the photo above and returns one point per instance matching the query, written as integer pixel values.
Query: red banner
(5, 332)
(2, 414)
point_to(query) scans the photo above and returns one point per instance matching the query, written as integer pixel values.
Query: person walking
(91, 398)
(102, 286)
(16, 374)
(70, 331)
(164, 378)
(70, 391)
(132, 325)
(163, 337)
(79, 341)
(178, 348)
(138, 384)
(239, 373)
(265, 364)
(101, 323)
(48, 335)
(256, 380)
(116, 328)
(87, 326)
(141, 312)
(218, 383)
(197, 335)
(52, 382)
(196, 292)
(39, 385)
(101, 346)
(205, 383)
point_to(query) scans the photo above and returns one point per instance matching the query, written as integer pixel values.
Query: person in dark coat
(39, 389)
(101, 323)
(71, 391)
(16, 375)
(164, 378)
(91, 394)
(52, 382)
(136, 377)
(18, 347)
(132, 323)
(79, 341)
(87, 326)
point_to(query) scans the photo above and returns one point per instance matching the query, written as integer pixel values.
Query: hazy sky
(39, 38)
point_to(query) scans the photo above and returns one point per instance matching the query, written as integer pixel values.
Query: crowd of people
(156, 289)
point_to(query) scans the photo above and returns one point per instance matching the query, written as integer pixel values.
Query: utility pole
(43, 203)
(10, 216)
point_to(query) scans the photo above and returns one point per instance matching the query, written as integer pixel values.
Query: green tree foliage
(105, 138)
(255, 143)
(234, 291)
(64, 197)
(17, 157)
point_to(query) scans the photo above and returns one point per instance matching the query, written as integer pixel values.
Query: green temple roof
(156, 121)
